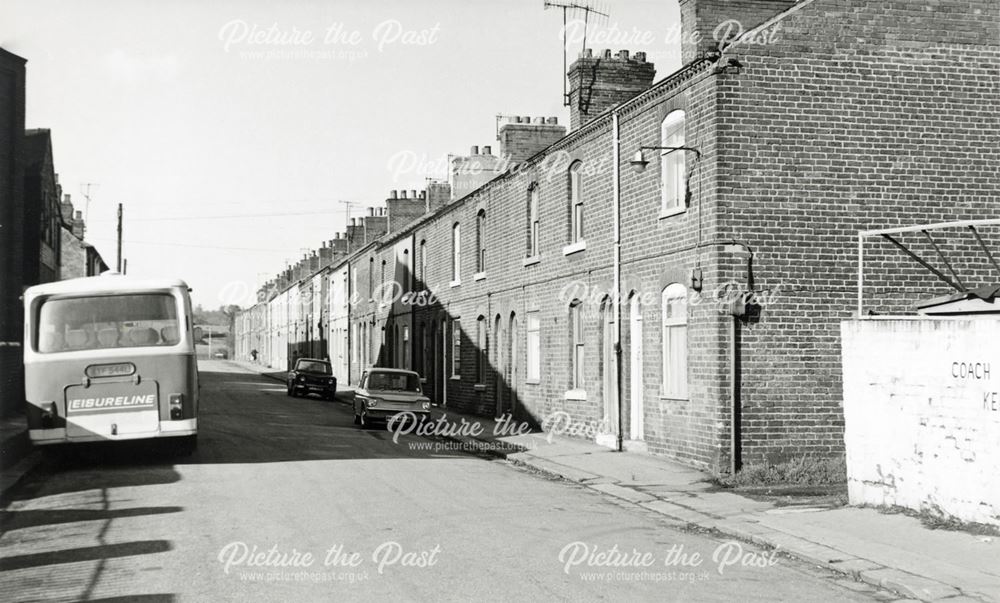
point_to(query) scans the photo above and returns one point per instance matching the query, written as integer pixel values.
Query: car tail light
(49, 413)
(176, 406)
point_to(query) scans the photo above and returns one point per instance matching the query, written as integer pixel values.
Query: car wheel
(357, 419)
(288, 388)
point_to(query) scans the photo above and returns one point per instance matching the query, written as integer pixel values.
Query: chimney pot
(526, 119)
(413, 194)
(623, 55)
(78, 216)
(402, 194)
(552, 121)
(588, 53)
(539, 120)
(606, 53)
(354, 221)
(640, 56)
(475, 150)
(392, 194)
(66, 198)
(423, 194)
(371, 211)
(487, 150)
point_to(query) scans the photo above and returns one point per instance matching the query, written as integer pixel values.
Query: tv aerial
(574, 7)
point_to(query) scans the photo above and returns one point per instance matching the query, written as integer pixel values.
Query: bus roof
(103, 284)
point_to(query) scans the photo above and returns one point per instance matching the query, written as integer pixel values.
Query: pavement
(17, 457)
(890, 551)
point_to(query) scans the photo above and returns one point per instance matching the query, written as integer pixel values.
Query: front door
(635, 373)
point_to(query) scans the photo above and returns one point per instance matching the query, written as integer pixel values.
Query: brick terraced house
(671, 272)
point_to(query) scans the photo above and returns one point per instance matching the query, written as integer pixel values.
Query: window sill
(455, 378)
(575, 394)
(455, 283)
(479, 387)
(479, 276)
(674, 398)
(672, 212)
(533, 381)
(574, 248)
(532, 260)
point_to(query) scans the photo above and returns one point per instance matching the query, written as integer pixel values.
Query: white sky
(144, 99)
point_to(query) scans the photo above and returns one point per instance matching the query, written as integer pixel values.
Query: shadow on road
(246, 418)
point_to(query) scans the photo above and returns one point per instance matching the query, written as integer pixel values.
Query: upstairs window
(423, 265)
(673, 174)
(481, 241)
(575, 202)
(533, 231)
(456, 252)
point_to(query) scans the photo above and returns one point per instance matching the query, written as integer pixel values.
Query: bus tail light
(176, 406)
(49, 414)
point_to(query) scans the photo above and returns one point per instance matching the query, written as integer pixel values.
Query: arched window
(533, 231)
(576, 344)
(675, 362)
(673, 175)
(575, 202)
(481, 241)
(456, 253)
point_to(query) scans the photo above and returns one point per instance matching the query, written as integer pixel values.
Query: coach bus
(110, 358)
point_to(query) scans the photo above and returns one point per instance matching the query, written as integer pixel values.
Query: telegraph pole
(119, 237)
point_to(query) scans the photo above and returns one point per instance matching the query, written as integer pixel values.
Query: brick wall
(802, 142)
(861, 115)
(12, 240)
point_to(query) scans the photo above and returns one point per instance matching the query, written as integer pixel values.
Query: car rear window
(310, 366)
(107, 321)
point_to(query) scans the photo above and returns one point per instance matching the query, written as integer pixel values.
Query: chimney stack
(520, 138)
(701, 18)
(598, 84)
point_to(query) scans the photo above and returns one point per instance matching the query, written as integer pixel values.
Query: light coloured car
(385, 394)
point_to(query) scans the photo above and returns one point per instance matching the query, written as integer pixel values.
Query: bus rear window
(108, 321)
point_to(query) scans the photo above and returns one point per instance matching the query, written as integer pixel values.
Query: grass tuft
(802, 471)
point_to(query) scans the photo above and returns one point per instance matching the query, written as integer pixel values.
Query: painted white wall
(922, 415)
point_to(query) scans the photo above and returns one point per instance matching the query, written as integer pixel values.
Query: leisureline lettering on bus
(116, 402)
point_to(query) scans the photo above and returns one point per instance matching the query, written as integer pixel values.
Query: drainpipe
(616, 302)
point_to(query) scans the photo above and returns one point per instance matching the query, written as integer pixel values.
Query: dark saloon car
(385, 393)
(311, 375)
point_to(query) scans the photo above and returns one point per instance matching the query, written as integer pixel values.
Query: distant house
(79, 258)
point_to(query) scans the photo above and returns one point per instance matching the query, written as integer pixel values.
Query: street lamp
(639, 163)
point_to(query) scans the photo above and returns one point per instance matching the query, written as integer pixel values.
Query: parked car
(312, 375)
(384, 393)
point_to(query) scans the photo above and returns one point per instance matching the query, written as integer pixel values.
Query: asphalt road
(277, 478)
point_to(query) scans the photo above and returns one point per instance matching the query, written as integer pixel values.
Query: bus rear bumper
(168, 429)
